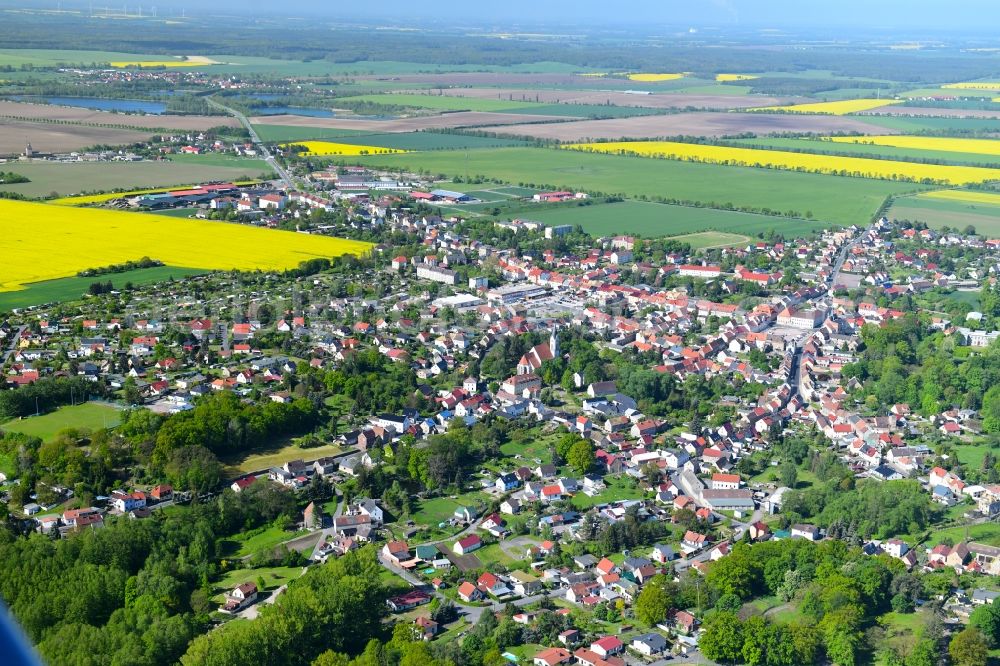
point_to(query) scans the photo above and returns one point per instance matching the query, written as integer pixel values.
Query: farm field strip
(326, 148)
(655, 77)
(863, 149)
(78, 238)
(964, 196)
(827, 164)
(933, 143)
(973, 85)
(840, 108)
(937, 214)
(830, 199)
(722, 78)
(72, 288)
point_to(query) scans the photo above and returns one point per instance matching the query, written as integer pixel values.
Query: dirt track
(691, 124)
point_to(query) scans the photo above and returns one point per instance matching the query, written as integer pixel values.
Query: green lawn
(619, 488)
(988, 533)
(274, 577)
(437, 510)
(89, 415)
(72, 288)
(69, 178)
(254, 541)
(494, 554)
(972, 456)
(278, 455)
(834, 199)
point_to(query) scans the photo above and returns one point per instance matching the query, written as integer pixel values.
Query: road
(13, 345)
(268, 157)
(842, 257)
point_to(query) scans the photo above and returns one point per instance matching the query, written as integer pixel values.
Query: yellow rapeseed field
(973, 85)
(833, 108)
(323, 148)
(735, 77)
(655, 78)
(191, 61)
(779, 159)
(967, 196)
(945, 144)
(43, 242)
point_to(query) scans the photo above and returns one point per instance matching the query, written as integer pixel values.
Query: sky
(975, 15)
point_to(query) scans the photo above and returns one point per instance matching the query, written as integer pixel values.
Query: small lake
(98, 104)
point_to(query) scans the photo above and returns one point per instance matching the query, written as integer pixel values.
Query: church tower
(554, 342)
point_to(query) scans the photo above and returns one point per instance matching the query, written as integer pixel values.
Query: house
(312, 516)
(693, 542)
(684, 622)
(396, 552)
(552, 657)
(126, 502)
(507, 482)
(510, 506)
(982, 597)
(407, 601)
(810, 532)
(607, 646)
(467, 545)
(492, 585)
(162, 492)
(662, 554)
(241, 597)
(725, 481)
(468, 592)
(465, 514)
(425, 628)
(239, 485)
(649, 644)
(524, 583)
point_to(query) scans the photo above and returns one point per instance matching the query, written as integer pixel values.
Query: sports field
(654, 219)
(44, 242)
(69, 178)
(89, 415)
(832, 199)
(778, 159)
(71, 288)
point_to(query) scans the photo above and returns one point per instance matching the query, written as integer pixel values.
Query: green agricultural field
(449, 103)
(248, 165)
(89, 415)
(72, 288)
(917, 124)
(69, 178)
(653, 219)
(284, 133)
(937, 213)
(254, 541)
(831, 199)
(867, 150)
(259, 65)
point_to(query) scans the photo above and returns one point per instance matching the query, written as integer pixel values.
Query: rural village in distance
(357, 337)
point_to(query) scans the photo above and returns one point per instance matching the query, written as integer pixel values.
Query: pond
(100, 104)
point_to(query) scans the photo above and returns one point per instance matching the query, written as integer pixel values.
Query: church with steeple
(532, 361)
